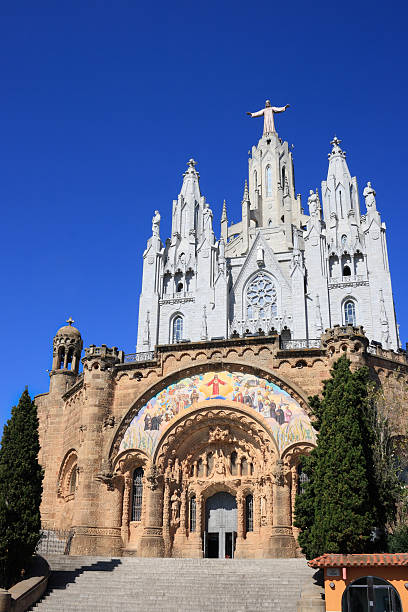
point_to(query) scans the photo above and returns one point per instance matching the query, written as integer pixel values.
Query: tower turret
(67, 349)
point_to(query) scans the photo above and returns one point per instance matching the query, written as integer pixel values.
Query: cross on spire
(70, 321)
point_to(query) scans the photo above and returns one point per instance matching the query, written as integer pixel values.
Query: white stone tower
(277, 270)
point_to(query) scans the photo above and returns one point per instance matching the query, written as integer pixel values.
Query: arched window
(137, 494)
(261, 297)
(61, 357)
(233, 466)
(73, 480)
(343, 241)
(349, 313)
(268, 180)
(249, 513)
(193, 513)
(179, 287)
(177, 329)
(371, 594)
(283, 177)
(346, 271)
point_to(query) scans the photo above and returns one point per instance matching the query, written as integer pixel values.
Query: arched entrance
(220, 526)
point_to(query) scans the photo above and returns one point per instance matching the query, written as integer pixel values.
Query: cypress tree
(338, 509)
(20, 491)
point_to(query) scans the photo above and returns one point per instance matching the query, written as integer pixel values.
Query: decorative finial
(335, 141)
(192, 163)
(70, 321)
(224, 211)
(246, 192)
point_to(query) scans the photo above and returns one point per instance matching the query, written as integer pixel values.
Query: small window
(346, 271)
(137, 494)
(249, 513)
(283, 177)
(179, 287)
(343, 241)
(177, 329)
(193, 513)
(349, 313)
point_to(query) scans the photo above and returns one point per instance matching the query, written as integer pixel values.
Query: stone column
(281, 543)
(126, 509)
(166, 520)
(295, 479)
(151, 542)
(240, 525)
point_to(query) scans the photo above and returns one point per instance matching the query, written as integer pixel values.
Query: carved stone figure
(156, 224)
(268, 113)
(369, 196)
(207, 218)
(313, 202)
(175, 507)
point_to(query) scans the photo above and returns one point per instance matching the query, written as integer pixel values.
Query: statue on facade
(369, 196)
(156, 224)
(267, 113)
(175, 507)
(207, 218)
(313, 202)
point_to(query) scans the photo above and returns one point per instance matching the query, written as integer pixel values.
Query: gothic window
(166, 283)
(371, 593)
(346, 271)
(349, 313)
(283, 177)
(137, 494)
(177, 329)
(193, 513)
(196, 211)
(249, 513)
(268, 180)
(244, 466)
(179, 287)
(261, 297)
(343, 241)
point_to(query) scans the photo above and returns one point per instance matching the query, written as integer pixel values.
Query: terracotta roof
(377, 559)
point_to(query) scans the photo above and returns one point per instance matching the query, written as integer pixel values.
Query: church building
(190, 447)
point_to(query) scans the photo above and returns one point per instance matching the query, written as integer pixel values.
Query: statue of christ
(268, 112)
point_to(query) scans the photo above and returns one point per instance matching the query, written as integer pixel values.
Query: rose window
(261, 297)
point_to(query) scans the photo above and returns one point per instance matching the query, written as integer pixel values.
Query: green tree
(339, 506)
(20, 491)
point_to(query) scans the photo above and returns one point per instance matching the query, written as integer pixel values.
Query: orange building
(364, 583)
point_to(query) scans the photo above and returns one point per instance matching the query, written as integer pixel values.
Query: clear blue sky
(103, 103)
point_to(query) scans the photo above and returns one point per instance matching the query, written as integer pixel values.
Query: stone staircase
(130, 584)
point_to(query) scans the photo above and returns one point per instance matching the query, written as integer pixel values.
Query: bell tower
(67, 349)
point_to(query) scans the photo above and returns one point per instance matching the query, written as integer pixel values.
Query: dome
(69, 330)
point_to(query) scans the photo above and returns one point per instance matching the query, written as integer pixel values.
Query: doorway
(220, 526)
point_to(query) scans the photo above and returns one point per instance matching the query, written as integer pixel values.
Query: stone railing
(137, 357)
(304, 343)
(348, 280)
(256, 325)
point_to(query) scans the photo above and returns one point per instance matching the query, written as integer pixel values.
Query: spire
(224, 223)
(339, 191)
(191, 186)
(224, 212)
(245, 197)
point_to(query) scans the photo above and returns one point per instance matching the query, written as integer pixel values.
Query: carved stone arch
(291, 455)
(67, 477)
(128, 460)
(219, 421)
(230, 365)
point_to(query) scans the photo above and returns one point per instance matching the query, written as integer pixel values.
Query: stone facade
(191, 446)
(89, 483)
